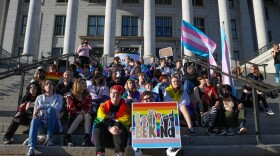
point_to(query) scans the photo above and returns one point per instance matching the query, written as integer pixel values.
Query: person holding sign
(112, 123)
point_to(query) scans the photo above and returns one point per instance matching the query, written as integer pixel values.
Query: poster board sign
(165, 52)
(155, 125)
(122, 56)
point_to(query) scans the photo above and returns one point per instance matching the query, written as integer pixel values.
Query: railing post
(21, 87)
(264, 70)
(256, 116)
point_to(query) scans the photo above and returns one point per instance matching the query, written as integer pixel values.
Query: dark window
(130, 1)
(96, 51)
(163, 27)
(23, 25)
(20, 51)
(97, 1)
(26, 1)
(269, 36)
(62, 1)
(129, 26)
(231, 3)
(59, 27)
(57, 51)
(197, 2)
(266, 11)
(233, 29)
(129, 50)
(236, 55)
(199, 23)
(96, 25)
(163, 1)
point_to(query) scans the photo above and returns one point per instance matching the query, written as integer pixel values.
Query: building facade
(51, 27)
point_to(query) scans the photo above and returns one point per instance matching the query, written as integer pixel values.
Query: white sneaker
(174, 152)
(269, 112)
(26, 141)
(137, 152)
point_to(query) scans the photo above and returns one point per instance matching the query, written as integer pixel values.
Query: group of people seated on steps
(101, 99)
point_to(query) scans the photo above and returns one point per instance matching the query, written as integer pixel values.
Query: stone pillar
(110, 27)
(149, 28)
(260, 20)
(71, 26)
(224, 16)
(11, 26)
(187, 15)
(3, 13)
(32, 28)
(246, 31)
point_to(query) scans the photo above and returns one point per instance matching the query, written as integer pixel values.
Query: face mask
(226, 94)
(41, 77)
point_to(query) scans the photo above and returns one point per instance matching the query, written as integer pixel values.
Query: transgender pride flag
(196, 41)
(226, 62)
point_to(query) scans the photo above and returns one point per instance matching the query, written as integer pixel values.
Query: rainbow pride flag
(155, 125)
(54, 76)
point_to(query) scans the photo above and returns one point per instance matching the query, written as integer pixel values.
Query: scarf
(174, 95)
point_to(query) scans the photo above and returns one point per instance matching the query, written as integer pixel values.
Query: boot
(67, 141)
(10, 132)
(86, 142)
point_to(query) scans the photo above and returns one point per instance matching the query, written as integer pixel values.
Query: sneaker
(222, 132)
(67, 140)
(31, 152)
(119, 153)
(191, 133)
(42, 140)
(7, 140)
(50, 142)
(269, 111)
(230, 132)
(174, 152)
(137, 152)
(242, 131)
(26, 141)
(211, 132)
(100, 154)
(86, 141)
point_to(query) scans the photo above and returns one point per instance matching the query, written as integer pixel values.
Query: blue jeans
(36, 123)
(277, 69)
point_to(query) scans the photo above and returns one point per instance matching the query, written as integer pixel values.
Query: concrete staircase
(201, 144)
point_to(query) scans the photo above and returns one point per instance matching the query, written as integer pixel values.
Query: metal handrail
(256, 85)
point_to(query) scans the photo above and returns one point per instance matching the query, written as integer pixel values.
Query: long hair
(38, 88)
(76, 87)
(126, 85)
(44, 83)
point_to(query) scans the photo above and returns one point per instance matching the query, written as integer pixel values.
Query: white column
(110, 27)
(70, 27)
(260, 21)
(246, 31)
(224, 16)
(11, 26)
(3, 14)
(149, 28)
(187, 15)
(32, 28)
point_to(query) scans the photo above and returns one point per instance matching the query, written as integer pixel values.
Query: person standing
(276, 56)
(83, 52)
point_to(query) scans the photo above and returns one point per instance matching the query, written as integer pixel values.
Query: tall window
(163, 1)
(20, 51)
(163, 27)
(97, 1)
(59, 27)
(26, 1)
(197, 2)
(96, 25)
(231, 3)
(199, 23)
(62, 1)
(129, 26)
(23, 25)
(269, 36)
(96, 51)
(57, 51)
(266, 11)
(233, 29)
(130, 1)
